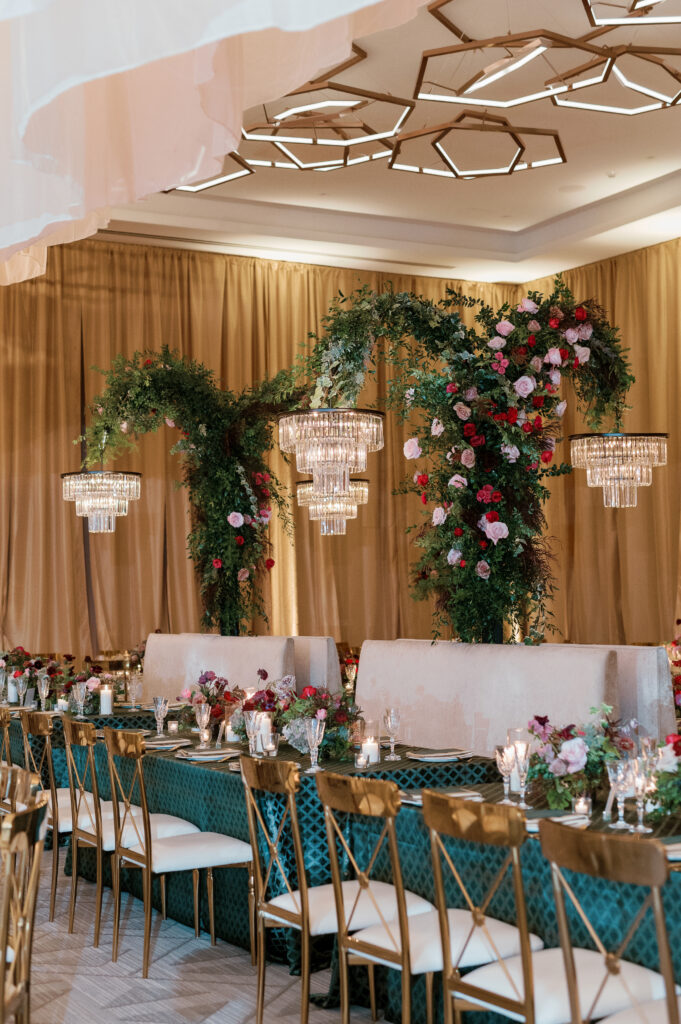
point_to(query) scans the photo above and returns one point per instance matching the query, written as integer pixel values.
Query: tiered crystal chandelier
(333, 511)
(101, 496)
(619, 463)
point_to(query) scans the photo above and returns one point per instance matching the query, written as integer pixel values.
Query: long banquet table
(210, 795)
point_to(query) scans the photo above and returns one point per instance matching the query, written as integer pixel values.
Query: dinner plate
(168, 744)
(454, 754)
(573, 820)
(415, 796)
(206, 758)
(173, 705)
(142, 732)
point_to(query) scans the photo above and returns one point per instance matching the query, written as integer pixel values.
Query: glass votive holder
(271, 745)
(173, 728)
(205, 735)
(361, 761)
(582, 805)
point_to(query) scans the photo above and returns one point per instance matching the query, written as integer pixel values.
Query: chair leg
(429, 998)
(116, 885)
(162, 883)
(344, 986)
(252, 916)
(372, 991)
(406, 997)
(260, 997)
(55, 870)
(304, 975)
(98, 897)
(211, 905)
(146, 889)
(74, 882)
(195, 885)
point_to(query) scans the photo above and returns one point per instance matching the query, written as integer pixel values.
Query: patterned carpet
(189, 981)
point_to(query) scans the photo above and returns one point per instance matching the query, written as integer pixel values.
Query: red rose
(522, 351)
(492, 517)
(496, 495)
(458, 532)
(580, 313)
(217, 563)
(550, 388)
(554, 322)
(575, 364)
(341, 717)
(564, 353)
(512, 414)
(537, 424)
(527, 428)
(265, 493)
(538, 401)
(675, 740)
(217, 711)
(547, 455)
(462, 563)
(147, 362)
(478, 440)
(266, 477)
(309, 691)
(422, 479)
(424, 500)
(500, 416)
(240, 542)
(483, 544)
(531, 340)
(269, 563)
(468, 430)
(452, 389)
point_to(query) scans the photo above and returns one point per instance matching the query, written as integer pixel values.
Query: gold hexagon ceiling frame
(636, 14)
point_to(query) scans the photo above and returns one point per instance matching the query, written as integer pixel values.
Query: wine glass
(80, 690)
(252, 726)
(134, 691)
(202, 713)
(22, 684)
(505, 763)
(314, 732)
(160, 712)
(43, 689)
(391, 720)
(642, 776)
(620, 775)
(522, 763)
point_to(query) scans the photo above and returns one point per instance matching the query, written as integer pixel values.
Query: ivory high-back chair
(21, 842)
(38, 726)
(389, 903)
(5, 748)
(600, 981)
(159, 843)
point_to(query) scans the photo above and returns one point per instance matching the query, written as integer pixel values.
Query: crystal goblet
(621, 780)
(252, 726)
(160, 712)
(314, 733)
(505, 756)
(43, 689)
(202, 714)
(80, 691)
(391, 720)
(22, 684)
(522, 763)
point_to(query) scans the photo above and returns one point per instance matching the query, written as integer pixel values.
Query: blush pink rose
(496, 532)
(553, 357)
(510, 452)
(573, 753)
(572, 335)
(497, 343)
(585, 331)
(536, 363)
(482, 569)
(534, 326)
(235, 519)
(462, 411)
(242, 575)
(470, 394)
(170, 423)
(321, 714)
(92, 683)
(560, 408)
(555, 376)
(504, 328)
(524, 386)
(454, 556)
(186, 694)
(458, 481)
(582, 353)
(412, 448)
(527, 306)
(439, 516)
(468, 458)
(436, 427)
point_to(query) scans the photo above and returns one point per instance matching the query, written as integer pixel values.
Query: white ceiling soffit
(482, 140)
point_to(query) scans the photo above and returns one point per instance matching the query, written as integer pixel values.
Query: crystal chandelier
(333, 511)
(100, 496)
(330, 444)
(619, 463)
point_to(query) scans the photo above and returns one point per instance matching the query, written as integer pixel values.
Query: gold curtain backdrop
(617, 571)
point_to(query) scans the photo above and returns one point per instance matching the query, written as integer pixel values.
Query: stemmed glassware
(43, 689)
(160, 712)
(314, 732)
(621, 780)
(134, 691)
(642, 776)
(505, 763)
(391, 720)
(522, 763)
(202, 714)
(252, 726)
(22, 684)
(80, 691)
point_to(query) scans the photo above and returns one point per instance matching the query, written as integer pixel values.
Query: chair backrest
(18, 787)
(38, 726)
(21, 842)
(626, 860)
(374, 798)
(83, 787)
(130, 747)
(489, 825)
(5, 748)
(269, 833)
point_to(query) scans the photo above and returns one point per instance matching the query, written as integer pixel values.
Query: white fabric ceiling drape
(102, 103)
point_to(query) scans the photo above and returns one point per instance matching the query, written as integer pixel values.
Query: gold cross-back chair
(5, 748)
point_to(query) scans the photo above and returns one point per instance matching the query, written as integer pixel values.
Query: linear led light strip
(315, 106)
(303, 140)
(670, 19)
(662, 100)
(489, 74)
(212, 181)
(472, 174)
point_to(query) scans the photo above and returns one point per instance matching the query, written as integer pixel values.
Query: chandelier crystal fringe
(332, 511)
(619, 463)
(331, 444)
(101, 496)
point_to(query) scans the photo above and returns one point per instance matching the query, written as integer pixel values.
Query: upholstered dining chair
(5, 748)
(38, 726)
(21, 841)
(158, 844)
(599, 981)
(385, 940)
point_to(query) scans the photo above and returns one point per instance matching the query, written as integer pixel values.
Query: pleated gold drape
(247, 318)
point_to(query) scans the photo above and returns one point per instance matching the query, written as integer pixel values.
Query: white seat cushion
(646, 1013)
(323, 920)
(551, 1001)
(163, 826)
(196, 850)
(64, 810)
(425, 945)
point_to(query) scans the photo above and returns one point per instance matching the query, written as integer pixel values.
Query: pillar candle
(370, 750)
(105, 700)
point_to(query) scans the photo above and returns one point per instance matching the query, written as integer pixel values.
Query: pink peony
(458, 481)
(412, 448)
(504, 328)
(582, 353)
(439, 516)
(527, 306)
(468, 458)
(496, 532)
(534, 326)
(553, 357)
(186, 694)
(558, 767)
(470, 394)
(92, 683)
(573, 753)
(462, 411)
(560, 408)
(524, 386)
(541, 727)
(572, 335)
(436, 427)
(242, 575)
(585, 331)
(510, 452)
(235, 519)
(497, 343)
(483, 570)
(454, 556)
(321, 714)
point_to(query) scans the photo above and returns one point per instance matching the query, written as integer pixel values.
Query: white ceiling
(619, 189)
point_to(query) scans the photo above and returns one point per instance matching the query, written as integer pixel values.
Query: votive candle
(173, 728)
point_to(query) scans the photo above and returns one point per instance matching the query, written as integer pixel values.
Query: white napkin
(573, 820)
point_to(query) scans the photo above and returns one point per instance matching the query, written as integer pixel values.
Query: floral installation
(213, 690)
(338, 711)
(674, 653)
(668, 778)
(569, 762)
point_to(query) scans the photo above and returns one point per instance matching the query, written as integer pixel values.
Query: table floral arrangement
(667, 777)
(674, 653)
(214, 690)
(570, 761)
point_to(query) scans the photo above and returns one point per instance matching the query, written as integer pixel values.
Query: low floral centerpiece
(570, 761)
(668, 777)
(338, 711)
(213, 690)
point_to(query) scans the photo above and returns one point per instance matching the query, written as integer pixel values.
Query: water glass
(391, 720)
(80, 691)
(202, 714)
(43, 689)
(314, 732)
(134, 691)
(621, 780)
(252, 726)
(641, 785)
(160, 712)
(522, 763)
(271, 744)
(22, 684)
(505, 763)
